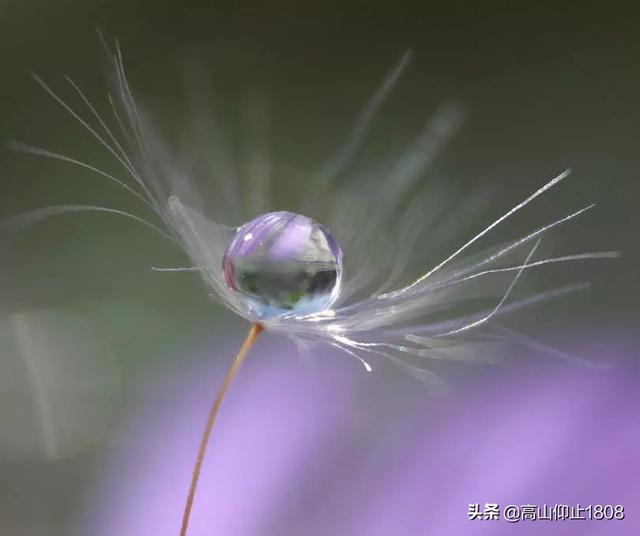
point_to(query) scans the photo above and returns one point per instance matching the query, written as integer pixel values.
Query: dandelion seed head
(285, 270)
(283, 263)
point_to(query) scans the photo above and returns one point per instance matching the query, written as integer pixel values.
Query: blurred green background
(547, 85)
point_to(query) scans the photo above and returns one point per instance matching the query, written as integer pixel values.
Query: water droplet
(284, 263)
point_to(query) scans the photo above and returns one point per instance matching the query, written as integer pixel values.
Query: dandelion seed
(285, 272)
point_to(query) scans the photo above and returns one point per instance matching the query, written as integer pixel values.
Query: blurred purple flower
(320, 448)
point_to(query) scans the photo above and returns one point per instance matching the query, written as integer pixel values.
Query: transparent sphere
(284, 263)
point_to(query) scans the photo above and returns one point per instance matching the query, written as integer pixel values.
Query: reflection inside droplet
(284, 263)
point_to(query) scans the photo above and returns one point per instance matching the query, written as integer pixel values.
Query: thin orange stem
(211, 419)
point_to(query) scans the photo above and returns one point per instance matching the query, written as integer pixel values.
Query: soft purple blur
(323, 448)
